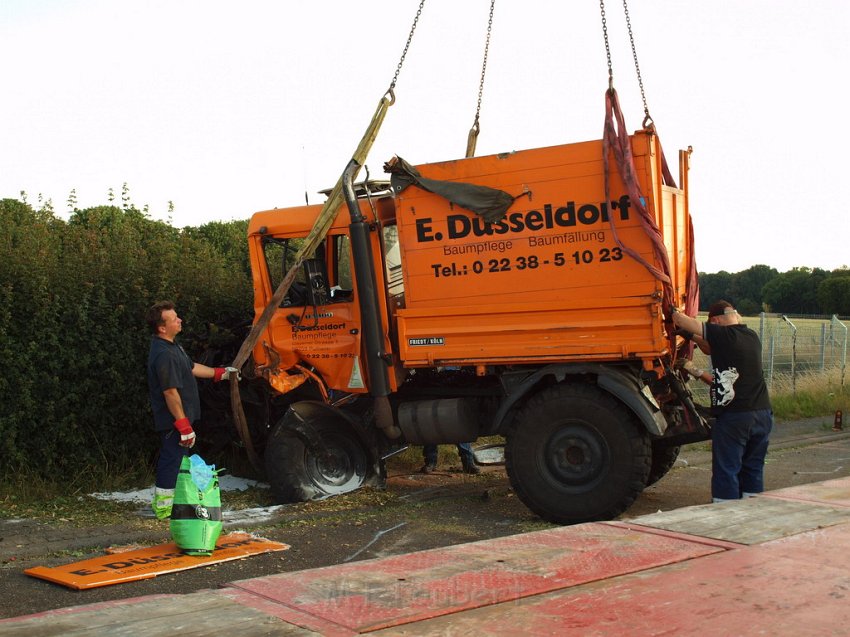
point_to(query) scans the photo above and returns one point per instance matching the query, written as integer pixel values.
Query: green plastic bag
(196, 513)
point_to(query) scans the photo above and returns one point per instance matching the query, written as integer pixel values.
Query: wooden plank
(748, 521)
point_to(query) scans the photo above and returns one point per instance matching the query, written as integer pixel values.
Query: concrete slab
(749, 521)
(203, 613)
(834, 493)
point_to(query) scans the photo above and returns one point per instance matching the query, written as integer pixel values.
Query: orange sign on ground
(145, 563)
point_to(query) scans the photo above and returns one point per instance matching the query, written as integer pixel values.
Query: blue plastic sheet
(202, 473)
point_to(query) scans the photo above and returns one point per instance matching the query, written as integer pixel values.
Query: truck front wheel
(576, 454)
(296, 474)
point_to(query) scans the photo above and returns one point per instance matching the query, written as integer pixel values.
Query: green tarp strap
(488, 203)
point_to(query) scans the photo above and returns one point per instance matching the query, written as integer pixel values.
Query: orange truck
(503, 295)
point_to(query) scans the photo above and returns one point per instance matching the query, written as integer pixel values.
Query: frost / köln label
(427, 340)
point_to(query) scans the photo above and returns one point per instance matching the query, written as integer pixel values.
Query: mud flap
(641, 403)
(696, 426)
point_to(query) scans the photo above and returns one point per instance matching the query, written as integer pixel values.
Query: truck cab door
(318, 323)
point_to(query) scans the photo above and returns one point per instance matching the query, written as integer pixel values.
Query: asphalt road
(416, 512)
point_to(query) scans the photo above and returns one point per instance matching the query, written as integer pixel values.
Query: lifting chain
(607, 46)
(391, 89)
(472, 138)
(647, 120)
(314, 238)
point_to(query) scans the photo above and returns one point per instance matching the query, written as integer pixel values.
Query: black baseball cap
(719, 308)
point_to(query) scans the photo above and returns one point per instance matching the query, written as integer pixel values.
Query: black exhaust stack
(377, 360)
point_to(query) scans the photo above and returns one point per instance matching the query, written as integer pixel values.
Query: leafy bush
(73, 297)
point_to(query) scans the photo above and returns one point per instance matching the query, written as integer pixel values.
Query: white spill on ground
(226, 483)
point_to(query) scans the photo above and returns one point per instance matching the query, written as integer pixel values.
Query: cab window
(324, 279)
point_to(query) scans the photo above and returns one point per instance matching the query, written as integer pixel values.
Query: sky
(228, 108)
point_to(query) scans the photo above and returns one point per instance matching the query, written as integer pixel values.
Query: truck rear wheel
(663, 459)
(296, 474)
(576, 454)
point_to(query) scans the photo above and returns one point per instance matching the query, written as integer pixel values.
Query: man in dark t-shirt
(739, 401)
(174, 399)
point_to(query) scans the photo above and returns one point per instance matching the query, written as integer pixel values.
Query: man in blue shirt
(174, 399)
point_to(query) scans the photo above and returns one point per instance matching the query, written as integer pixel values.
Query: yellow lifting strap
(320, 229)
(314, 238)
(472, 137)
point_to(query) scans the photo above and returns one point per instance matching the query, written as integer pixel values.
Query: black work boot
(469, 466)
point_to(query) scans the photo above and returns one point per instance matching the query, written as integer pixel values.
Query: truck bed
(549, 282)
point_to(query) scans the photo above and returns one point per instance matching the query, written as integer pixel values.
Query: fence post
(770, 362)
(822, 347)
(793, 354)
(763, 346)
(835, 321)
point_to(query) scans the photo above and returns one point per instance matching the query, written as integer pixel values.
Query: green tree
(713, 287)
(833, 293)
(795, 291)
(747, 285)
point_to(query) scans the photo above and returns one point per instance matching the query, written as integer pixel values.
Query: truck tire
(297, 475)
(663, 459)
(576, 454)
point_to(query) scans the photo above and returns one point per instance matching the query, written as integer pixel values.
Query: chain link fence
(793, 348)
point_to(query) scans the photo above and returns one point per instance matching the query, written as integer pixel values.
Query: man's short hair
(154, 317)
(719, 308)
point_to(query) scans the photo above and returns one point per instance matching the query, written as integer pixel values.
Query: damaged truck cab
(500, 295)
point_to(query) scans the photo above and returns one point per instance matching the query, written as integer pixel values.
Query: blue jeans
(463, 448)
(739, 442)
(170, 456)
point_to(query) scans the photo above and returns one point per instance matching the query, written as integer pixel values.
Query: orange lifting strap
(616, 139)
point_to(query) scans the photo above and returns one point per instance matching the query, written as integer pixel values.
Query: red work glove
(223, 373)
(187, 434)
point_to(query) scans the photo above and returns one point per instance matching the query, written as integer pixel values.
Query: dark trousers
(739, 442)
(170, 456)
(463, 448)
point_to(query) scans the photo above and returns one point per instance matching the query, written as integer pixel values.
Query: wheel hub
(576, 455)
(341, 469)
(335, 466)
